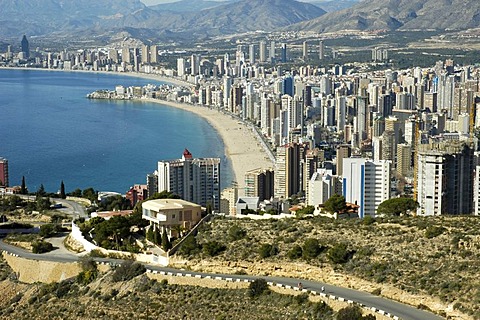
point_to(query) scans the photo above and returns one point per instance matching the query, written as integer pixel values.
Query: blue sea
(50, 131)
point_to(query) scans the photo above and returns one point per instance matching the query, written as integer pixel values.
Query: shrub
(257, 288)
(434, 231)
(89, 270)
(236, 233)
(267, 250)
(368, 220)
(127, 271)
(295, 252)
(350, 313)
(213, 248)
(339, 253)
(311, 248)
(189, 246)
(41, 247)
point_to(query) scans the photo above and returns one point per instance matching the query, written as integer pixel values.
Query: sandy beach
(241, 145)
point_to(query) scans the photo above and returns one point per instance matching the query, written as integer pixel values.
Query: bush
(339, 253)
(189, 246)
(49, 230)
(127, 271)
(295, 253)
(350, 313)
(257, 288)
(368, 220)
(267, 250)
(89, 270)
(41, 247)
(236, 233)
(213, 248)
(434, 231)
(311, 248)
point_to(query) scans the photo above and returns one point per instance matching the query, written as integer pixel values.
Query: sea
(50, 132)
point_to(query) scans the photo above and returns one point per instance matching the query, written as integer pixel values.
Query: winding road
(381, 305)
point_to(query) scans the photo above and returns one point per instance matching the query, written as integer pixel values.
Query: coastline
(241, 145)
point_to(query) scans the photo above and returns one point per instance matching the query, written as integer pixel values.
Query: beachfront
(241, 145)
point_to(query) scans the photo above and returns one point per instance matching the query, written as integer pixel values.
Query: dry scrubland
(146, 298)
(429, 263)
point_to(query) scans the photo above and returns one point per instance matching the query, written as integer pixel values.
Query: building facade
(4, 172)
(193, 179)
(366, 183)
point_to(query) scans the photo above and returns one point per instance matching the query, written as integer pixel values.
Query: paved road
(75, 209)
(366, 299)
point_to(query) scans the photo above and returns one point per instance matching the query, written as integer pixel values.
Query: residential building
(228, 201)
(171, 214)
(138, 192)
(259, 183)
(288, 170)
(193, 179)
(444, 182)
(366, 183)
(322, 186)
(4, 172)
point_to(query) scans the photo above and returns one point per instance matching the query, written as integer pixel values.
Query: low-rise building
(171, 214)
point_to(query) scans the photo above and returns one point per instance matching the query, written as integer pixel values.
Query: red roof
(187, 154)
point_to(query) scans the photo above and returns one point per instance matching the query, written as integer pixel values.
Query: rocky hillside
(62, 17)
(399, 14)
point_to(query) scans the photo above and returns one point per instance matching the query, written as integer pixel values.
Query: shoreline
(241, 146)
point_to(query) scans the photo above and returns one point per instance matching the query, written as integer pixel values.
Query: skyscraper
(321, 50)
(263, 52)
(25, 47)
(251, 53)
(366, 183)
(3, 172)
(145, 54)
(193, 179)
(305, 51)
(284, 52)
(444, 178)
(154, 54)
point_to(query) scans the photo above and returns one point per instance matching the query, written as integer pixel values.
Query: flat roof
(168, 204)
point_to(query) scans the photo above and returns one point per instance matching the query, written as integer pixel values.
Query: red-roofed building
(138, 192)
(186, 154)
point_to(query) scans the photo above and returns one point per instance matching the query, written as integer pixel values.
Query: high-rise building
(444, 179)
(154, 54)
(322, 185)
(288, 170)
(251, 53)
(25, 47)
(4, 172)
(366, 183)
(145, 54)
(272, 53)
(305, 51)
(228, 201)
(263, 52)
(180, 67)
(343, 151)
(284, 52)
(259, 183)
(321, 50)
(193, 179)
(404, 159)
(126, 55)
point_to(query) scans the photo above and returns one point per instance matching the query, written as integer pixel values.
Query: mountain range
(399, 14)
(205, 18)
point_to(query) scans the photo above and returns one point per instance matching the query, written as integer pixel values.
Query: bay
(50, 131)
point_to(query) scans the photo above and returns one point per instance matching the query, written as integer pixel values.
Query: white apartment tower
(366, 183)
(193, 179)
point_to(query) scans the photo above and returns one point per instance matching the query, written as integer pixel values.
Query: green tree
(189, 246)
(41, 191)
(41, 246)
(166, 244)
(267, 250)
(350, 313)
(257, 287)
(295, 253)
(213, 248)
(236, 233)
(62, 191)
(335, 203)
(157, 237)
(311, 248)
(149, 234)
(397, 206)
(339, 253)
(23, 188)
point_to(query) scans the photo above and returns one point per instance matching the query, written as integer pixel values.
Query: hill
(399, 14)
(186, 5)
(36, 17)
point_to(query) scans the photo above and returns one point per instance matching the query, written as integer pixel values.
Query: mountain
(335, 5)
(399, 14)
(102, 17)
(186, 5)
